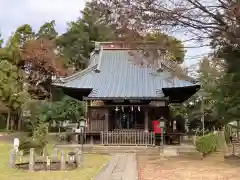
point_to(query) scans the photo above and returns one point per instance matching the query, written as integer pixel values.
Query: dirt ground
(188, 168)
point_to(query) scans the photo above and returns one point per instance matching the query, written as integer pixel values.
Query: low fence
(46, 161)
(127, 137)
(235, 145)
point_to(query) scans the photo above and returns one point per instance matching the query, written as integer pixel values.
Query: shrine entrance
(127, 118)
(128, 125)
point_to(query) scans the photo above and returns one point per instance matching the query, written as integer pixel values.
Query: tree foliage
(28, 63)
(34, 113)
(47, 31)
(22, 34)
(41, 64)
(1, 41)
(173, 46)
(79, 40)
(10, 89)
(210, 23)
(11, 93)
(36, 124)
(65, 109)
(35, 54)
(211, 102)
(96, 25)
(204, 19)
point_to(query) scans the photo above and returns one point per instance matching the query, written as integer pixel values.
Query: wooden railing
(127, 137)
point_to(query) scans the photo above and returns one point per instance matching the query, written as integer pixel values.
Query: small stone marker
(78, 158)
(62, 161)
(32, 160)
(13, 158)
(16, 144)
(48, 163)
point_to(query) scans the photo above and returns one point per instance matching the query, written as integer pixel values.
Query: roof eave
(186, 92)
(127, 98)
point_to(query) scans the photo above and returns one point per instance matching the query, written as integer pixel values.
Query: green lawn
(93, 164)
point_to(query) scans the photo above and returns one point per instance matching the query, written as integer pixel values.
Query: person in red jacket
(157, 131)
(156, 127)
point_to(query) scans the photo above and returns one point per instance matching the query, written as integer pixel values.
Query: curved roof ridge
(78, 74)
(99, 61)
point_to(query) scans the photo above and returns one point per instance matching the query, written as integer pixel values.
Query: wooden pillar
(87, 115)
(62, 161)
(170, 122)
(13, 158)
(32, 160)
(86, 110)
(91, 140)
(106, 121)
(146, 119)
(78, 157)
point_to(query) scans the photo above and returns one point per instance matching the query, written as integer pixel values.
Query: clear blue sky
(36, 12)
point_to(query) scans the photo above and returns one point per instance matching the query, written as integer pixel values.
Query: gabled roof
(113, 75)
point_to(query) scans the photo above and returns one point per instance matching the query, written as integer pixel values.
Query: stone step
(135, 149)
(123, 151)
(167, 151)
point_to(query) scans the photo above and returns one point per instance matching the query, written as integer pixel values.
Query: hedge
(208, 143)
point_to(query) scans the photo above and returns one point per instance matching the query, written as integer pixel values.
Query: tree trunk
(238, 123)
(8, 119)
(12, 122)
(19, 123)
(19, 120)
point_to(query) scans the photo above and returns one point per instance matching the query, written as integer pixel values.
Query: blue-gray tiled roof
(119, 77)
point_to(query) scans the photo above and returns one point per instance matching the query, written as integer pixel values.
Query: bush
(208, 143)
(40, 133)
(38, 140)
(27, 143)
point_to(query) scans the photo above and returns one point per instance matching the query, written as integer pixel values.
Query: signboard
(158, 103)
(162, 124)
(16, 144)
(78, 130)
